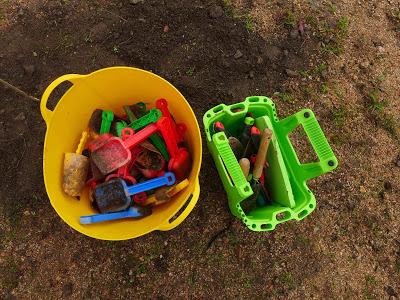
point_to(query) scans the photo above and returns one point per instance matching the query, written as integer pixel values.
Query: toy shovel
(124, 173)
(115, 195)
(76, 167)
(114, 153)
(147, 118)
(135, 212)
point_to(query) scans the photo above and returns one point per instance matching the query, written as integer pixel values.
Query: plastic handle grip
(107, 117)
(119, 126)
(160, 145)
(315, 134)
(151, 117)
(168, 225)
(47, 113)
(82, 142)
(140, 136)
(167, 131)
(178, 130)
(327, 160)
(225, 151)
(131, 213)
(168, 179)
(131, 116)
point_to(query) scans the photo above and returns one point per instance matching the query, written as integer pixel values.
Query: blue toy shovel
(133, 212)
(114, 195)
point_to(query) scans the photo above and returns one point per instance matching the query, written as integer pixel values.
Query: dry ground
(339, 58)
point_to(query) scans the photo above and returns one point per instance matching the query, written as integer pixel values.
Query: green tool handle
(151, 117)
(107, 116)
(129, 113)
(160, 145)
(119, 126)
(327, 160)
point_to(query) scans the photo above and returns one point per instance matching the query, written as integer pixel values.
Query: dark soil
(213, 52)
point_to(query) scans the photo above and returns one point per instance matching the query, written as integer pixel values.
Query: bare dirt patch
(339, 58)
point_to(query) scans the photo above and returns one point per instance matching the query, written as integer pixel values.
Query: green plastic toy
(107, 116)
(129, 113)
(136, 124)
(119, 126)
(285, 178)
(151, 117)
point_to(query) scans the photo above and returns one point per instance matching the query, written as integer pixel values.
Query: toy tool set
(130, 163)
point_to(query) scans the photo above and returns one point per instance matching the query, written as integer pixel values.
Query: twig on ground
(216, 236)
(17, 90)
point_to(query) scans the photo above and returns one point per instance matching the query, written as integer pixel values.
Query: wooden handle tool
(261, 154)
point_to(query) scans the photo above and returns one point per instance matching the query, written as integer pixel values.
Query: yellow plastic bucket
(111, 88)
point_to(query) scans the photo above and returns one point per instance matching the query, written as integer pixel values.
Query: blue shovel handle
(132, 212)
(167, 179)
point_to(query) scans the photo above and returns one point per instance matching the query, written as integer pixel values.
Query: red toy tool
(178, 129)
(124, 172)
(114, 153)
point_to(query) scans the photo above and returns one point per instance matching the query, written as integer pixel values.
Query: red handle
(177, 129)
(140, 136)
(168, 134)
(166, 129)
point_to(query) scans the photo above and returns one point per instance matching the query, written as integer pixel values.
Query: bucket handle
(327, 160)
(47, 113)
(192, 202)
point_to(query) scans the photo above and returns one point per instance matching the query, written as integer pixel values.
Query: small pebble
(285, 52)
(20, 117)
(238, 54)
(381, 49)
(216, 11)
(390, 291)
(29, 69)
(363, 189)
(34, 54)
(251, 74)
(294, 33)
(273, 53)
(291, 73)
(364, 65)
(134, 2)
(259, 60)
(67, 290)
(387, 185)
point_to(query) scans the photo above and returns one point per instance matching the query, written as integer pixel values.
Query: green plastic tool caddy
(285, 178)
